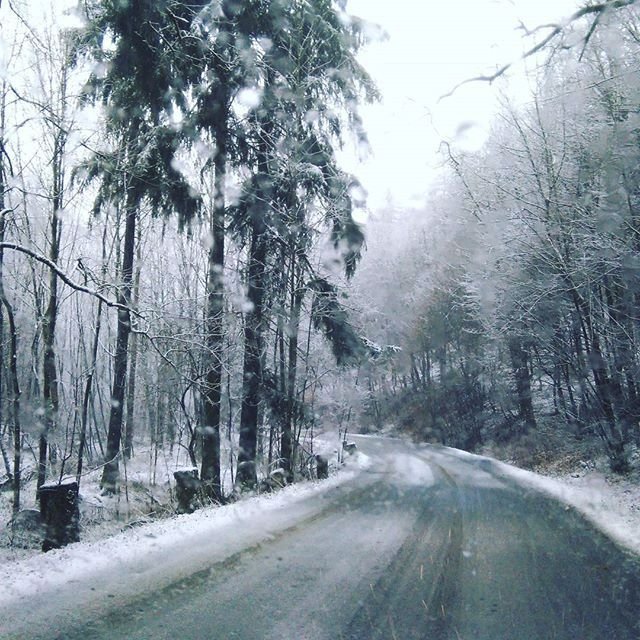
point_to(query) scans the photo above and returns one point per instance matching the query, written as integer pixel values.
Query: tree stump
(322, 467)
(60, 514)
(277, 480)
(187, 485)
(349, 447)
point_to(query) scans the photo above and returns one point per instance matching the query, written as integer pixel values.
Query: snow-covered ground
(166, 549)
(146, 495)
(147, 544)
(610, 502)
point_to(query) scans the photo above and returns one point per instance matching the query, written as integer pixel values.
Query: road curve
(421, 544)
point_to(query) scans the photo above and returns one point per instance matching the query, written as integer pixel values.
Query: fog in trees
(518, 284)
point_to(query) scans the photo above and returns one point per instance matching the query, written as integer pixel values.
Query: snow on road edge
(612, 508)
(140, 545)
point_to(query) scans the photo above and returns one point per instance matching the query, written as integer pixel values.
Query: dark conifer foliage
(142, 51)
(331, 317)
(158, 59)
(308, 72)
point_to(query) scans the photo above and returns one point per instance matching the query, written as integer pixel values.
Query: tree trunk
(2, 238)
(252, 379)
(84, 420)
(88, 389)
(214, 322)
(13, 336)
(623, 347)
(613, 436)
(2, 396)
(131, 381)
(253, 356)
(305, 384)
(49, 372)
(288, 445)
(111, 471)
(519, 362)
(13, 364)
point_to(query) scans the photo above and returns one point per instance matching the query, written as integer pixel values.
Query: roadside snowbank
(200, 535)
(611, 503)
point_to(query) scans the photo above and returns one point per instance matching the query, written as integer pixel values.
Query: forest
(186, 284)
(514, 296)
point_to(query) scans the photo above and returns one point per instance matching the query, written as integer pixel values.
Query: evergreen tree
(142, 48)
(305, 81)
(227, 65)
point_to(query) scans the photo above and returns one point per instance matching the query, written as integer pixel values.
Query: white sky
(432, 46)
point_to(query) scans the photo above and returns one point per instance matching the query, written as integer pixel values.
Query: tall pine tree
(309, 73)
(142, 47)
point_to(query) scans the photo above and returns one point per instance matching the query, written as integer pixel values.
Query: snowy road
(423, 543)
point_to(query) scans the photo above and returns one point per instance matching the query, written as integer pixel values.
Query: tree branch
(64, 277)
(556, 30)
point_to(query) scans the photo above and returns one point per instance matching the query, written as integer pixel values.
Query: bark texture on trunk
(214, 322)
(111, 472)
(522, 374)
(253, 358)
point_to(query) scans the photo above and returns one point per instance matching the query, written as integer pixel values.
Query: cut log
(349, 447)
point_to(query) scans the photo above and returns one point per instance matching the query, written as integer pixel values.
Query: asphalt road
(422, 544)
